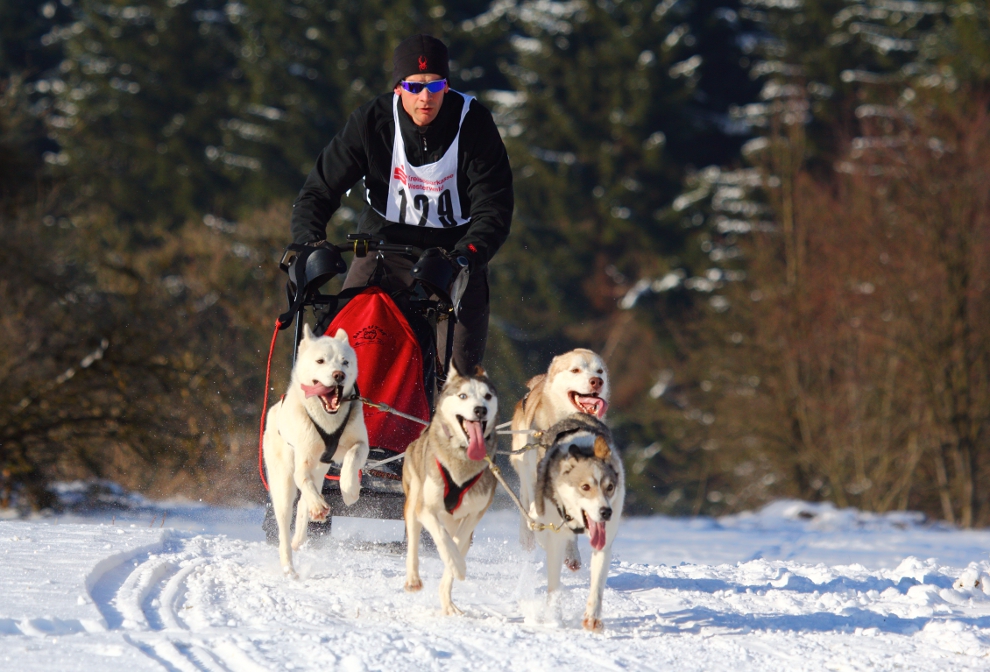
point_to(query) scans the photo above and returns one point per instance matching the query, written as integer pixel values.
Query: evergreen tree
(612, 101)
(829, 72)
(28, 51)
(27, 37)
(145, 90)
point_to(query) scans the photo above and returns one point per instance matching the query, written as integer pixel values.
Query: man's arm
(340, 165)
(489, 190)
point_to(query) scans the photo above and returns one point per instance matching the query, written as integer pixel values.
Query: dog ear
(479, 371)
(341, 335)
(602, 451)
(535, 380)
(453, 371)
(307, 332)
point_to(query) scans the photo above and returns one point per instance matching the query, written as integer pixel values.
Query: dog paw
(573, 564)
(289, 572)
(414, 585)
(318, 512)
(350, 495)
(593, 624)
(451, 610)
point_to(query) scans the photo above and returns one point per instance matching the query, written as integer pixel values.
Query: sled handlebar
(362, 243)
(358, 243)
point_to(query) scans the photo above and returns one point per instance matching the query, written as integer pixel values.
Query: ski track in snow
(133, 599)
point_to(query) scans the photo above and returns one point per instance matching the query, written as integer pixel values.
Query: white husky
(317, 421)
(576, 382)
(580, 488)
(446, 479)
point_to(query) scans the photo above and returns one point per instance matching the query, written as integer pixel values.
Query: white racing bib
(425, 195)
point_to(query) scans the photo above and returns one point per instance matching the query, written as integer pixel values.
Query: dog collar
(568, 518)
(453, 494)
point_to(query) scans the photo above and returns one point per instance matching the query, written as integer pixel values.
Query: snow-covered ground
(792, 587)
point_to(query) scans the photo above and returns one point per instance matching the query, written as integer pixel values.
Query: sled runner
(399, 364)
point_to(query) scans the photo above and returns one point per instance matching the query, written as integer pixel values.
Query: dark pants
(471, 330)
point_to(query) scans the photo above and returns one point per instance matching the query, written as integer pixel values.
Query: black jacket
(364, 149)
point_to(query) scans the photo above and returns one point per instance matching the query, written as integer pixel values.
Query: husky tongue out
(589, 404)
(476, 442)
(329, 396)
(597, 533)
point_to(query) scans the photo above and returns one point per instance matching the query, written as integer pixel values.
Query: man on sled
(437, 179)
(436, 176)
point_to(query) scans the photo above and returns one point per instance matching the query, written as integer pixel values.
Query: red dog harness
(453, 493)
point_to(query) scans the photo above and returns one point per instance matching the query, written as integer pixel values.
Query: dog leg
(572, 556)
(283, 492)
(453, 562)
(525, 468)
(302, 526)
(446, 586)
(413, 530)
(448, 550)
(600, 561)
(462, 539)
(311, 497)
(350, 478)
(526, 537)
(555, 557)
(464, 532)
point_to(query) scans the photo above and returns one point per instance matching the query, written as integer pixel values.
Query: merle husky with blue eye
(446, 478)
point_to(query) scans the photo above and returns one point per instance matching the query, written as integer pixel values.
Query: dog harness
(332, 439)
(425, 195)
(553, 436)
(453, 493)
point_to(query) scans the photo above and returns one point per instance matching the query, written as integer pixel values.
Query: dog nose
(480, 412)
(596, 383)
(606, 512)
(338, 376)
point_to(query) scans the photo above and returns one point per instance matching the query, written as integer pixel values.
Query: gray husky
(446, 479)
(580, 489)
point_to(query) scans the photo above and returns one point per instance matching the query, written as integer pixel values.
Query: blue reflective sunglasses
(417, 87)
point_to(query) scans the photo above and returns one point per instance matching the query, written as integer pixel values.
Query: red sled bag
(390, 367)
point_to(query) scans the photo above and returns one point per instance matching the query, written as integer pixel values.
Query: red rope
(264, 407)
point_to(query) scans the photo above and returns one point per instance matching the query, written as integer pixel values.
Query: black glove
(464, 258)
(437, 269)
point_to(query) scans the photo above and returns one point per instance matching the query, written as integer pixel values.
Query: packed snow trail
(126, 597)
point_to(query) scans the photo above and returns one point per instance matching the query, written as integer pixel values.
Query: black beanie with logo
(419, 55)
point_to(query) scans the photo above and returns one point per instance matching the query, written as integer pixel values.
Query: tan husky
(315, 422)
(576, 382)
(446, 479)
